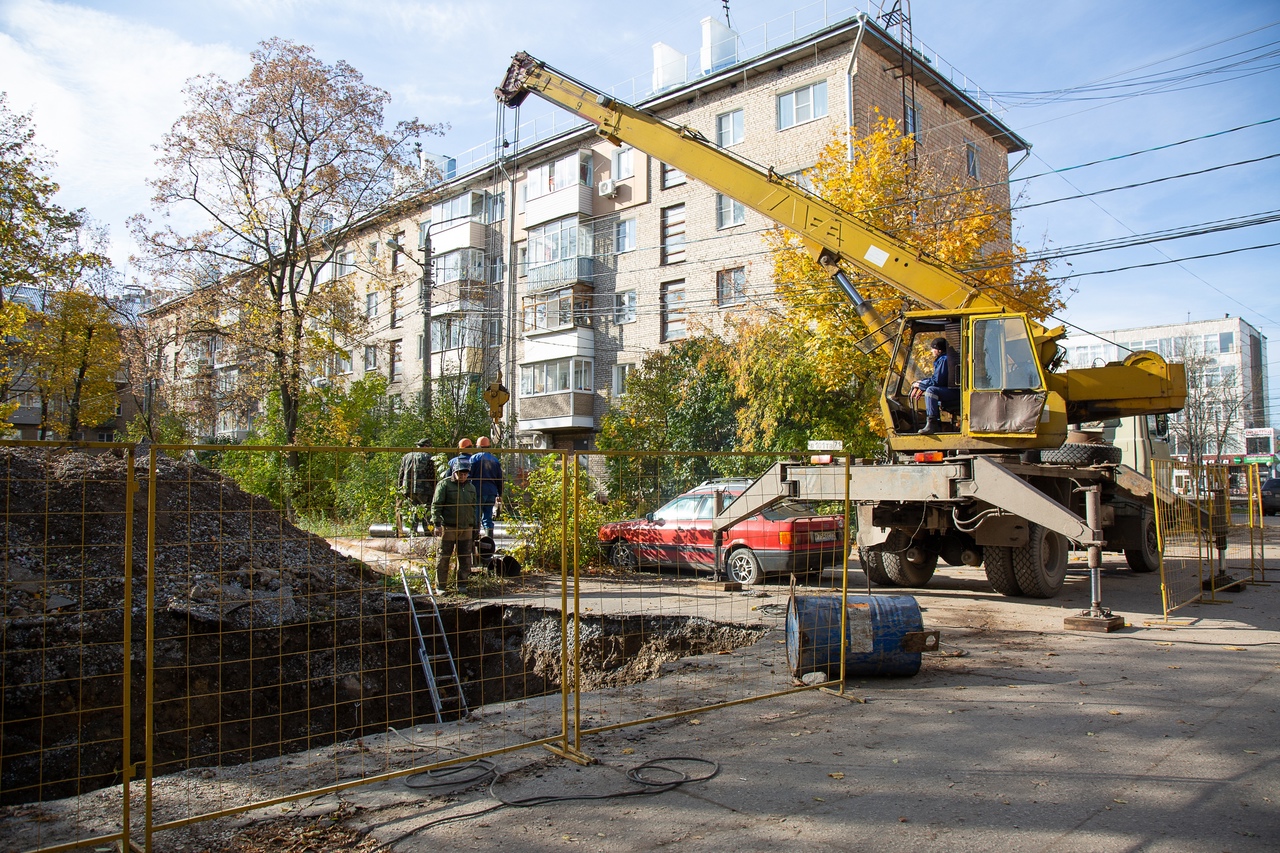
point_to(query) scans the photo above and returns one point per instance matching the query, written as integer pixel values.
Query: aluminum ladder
(442, 681)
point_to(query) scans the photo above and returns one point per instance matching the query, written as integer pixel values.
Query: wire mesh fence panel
(665, 623)
(301, 642)
(1185, 521)
(67, 588)
(1248, 523)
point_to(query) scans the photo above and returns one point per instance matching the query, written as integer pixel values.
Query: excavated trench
(224, 697)
(266, 640)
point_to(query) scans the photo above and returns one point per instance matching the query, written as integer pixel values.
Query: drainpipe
(850, 72)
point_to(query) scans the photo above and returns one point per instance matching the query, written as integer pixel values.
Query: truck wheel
(622, 555)
(1040, 566)
(1082, 454)
(743, 567)
(1146, 558)
(997, 561)
(873, 567)
(903, 572)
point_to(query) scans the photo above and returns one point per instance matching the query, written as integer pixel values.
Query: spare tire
(1083, 454)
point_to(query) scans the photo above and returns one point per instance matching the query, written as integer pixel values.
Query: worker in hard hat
(486, 470)
(455, 510)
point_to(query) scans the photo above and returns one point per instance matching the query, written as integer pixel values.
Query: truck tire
(873, 567)
(1147, 557)
(997, 561)
(1041, 565)
(903, 572)
(1083, 454)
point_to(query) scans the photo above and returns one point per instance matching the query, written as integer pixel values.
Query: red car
(786, 538)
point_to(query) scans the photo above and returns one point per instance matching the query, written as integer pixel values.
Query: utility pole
(424, 297)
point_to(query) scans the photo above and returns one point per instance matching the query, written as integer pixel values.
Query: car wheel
(997, 561)
(1041, 564)
(744, 567)
(873, 567)
(1147, 557)
(622, 555)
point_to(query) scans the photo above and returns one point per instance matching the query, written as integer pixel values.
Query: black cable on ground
(639, 774)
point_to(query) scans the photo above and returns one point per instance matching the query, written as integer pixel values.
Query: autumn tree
(926, 201)
(42, 254)
(277, 168)
(680, 400)
(1217, 405)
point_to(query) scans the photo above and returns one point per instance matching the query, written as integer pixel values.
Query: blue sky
(103, 80)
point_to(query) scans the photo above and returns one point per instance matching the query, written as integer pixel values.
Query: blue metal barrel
(876, 627)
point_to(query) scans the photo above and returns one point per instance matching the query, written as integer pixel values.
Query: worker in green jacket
(455, 510)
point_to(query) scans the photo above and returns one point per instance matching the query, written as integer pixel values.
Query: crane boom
(1011, 396)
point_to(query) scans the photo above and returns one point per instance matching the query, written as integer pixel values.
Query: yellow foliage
(926, 201)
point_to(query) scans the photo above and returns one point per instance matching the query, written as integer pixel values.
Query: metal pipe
(1092, 518)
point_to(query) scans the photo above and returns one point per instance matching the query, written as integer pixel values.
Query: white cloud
(102, 91)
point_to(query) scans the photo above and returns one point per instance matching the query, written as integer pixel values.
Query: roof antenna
(727, 22)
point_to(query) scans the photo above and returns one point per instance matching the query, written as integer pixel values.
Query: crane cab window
(1003, 359)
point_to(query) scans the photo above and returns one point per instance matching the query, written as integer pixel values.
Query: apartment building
(557, 264)
(1226, 362)
(562, 263)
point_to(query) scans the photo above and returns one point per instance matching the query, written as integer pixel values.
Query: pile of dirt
(229, 568)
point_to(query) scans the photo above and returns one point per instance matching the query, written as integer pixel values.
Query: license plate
(823, 535)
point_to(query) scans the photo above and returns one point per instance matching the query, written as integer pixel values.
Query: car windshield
(1272, 485)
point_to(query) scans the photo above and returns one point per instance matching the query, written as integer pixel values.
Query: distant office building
(1227, 378)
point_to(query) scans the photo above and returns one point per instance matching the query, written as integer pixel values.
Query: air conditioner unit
(540, 441)
(608, 189)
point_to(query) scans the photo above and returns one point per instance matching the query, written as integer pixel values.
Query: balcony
(468, 234)
(567, 410)
(561, 273)
(574, 200)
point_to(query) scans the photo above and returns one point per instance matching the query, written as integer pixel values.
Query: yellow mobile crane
(983, 495)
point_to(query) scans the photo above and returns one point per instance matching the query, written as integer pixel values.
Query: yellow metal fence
(1208, 542)
(256, 646)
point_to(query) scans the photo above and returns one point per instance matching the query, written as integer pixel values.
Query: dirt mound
(228, 568)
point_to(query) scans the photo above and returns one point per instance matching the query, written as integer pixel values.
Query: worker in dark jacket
(936, 389)
(455, 510)
(486, 474)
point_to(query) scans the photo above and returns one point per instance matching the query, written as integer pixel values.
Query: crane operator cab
(1002, 395)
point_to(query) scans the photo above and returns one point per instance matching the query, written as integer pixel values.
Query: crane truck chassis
(999, 489)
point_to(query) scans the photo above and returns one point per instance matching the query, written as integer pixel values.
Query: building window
(342, 361)
(672, 250)
(462, 265)
(673, 316)
(371, 251)
(801, 105)
(624, 307)
(370, 358)
(558, 175)
(370, 305)
(971, 159)
(731, 286)
(558, 241)
(621, 373)
(623, 163)
(624, 239)
(421, 353)
(729, 212)
(423, 228)
(394, 321)
(671, 177)
(911, 121)
(465, 206)
(729, 129)
(397, 361)
(345, 263)
(395, 253)
(454, 332)
(557, 309)
(556, 377)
